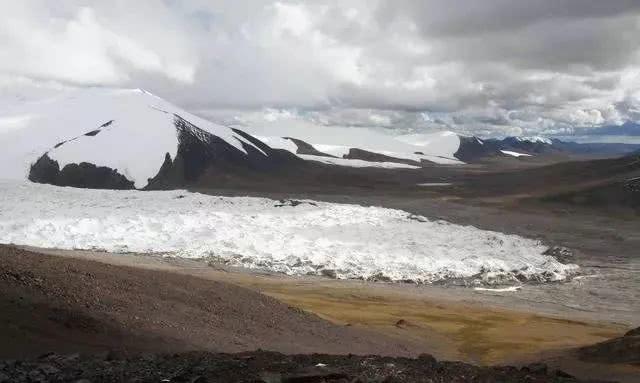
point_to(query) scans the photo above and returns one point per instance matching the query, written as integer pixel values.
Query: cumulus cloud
(78, 47)
(491, 67)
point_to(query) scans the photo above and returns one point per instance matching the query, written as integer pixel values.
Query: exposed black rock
(365, 155)
(201, 152)
(95, 132)
(88, 134)
(472, 149)
(45, 171)
(293, 203)
(106, 124)
(83, 175)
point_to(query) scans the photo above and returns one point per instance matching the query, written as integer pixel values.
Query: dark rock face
(360, 154)
(201, 152)
(471, 149)
(45, 171)
(83, 175)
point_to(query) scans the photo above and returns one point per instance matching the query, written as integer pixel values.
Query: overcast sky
(489, 67)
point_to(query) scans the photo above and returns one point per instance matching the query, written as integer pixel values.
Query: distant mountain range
(473, 150)
(129, 138)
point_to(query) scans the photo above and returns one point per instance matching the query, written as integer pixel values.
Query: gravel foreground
(263, 367)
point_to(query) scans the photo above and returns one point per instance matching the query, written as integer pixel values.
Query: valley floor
(363, 318)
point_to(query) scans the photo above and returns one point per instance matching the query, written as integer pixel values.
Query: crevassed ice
(347, 241)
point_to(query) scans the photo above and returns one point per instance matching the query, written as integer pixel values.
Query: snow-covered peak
(535, 139)
(130, 130)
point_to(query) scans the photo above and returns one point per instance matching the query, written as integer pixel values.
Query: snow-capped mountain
(130, 138)
(120, 139)
(362, 144)
(473, 149)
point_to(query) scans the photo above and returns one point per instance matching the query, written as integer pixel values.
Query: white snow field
(347, 241)
(356, 163)
(515, 154)
(142, 131)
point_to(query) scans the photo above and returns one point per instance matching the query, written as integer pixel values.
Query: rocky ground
(265, 367)
(66, 319)
(67, 305)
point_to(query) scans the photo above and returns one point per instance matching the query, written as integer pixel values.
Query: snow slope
(130, 130)
(347, 241)
(438, 147)
(515, 154)
(356, 163)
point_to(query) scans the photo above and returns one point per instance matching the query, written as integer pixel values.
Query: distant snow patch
(515, 154)
(356, 163)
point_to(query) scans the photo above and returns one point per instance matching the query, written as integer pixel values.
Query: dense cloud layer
(490, 67)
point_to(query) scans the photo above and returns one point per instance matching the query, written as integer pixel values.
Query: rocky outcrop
(472, 149)
(82, 175)
(201, 152)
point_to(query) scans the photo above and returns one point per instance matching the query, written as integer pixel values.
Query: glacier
(301, 238)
